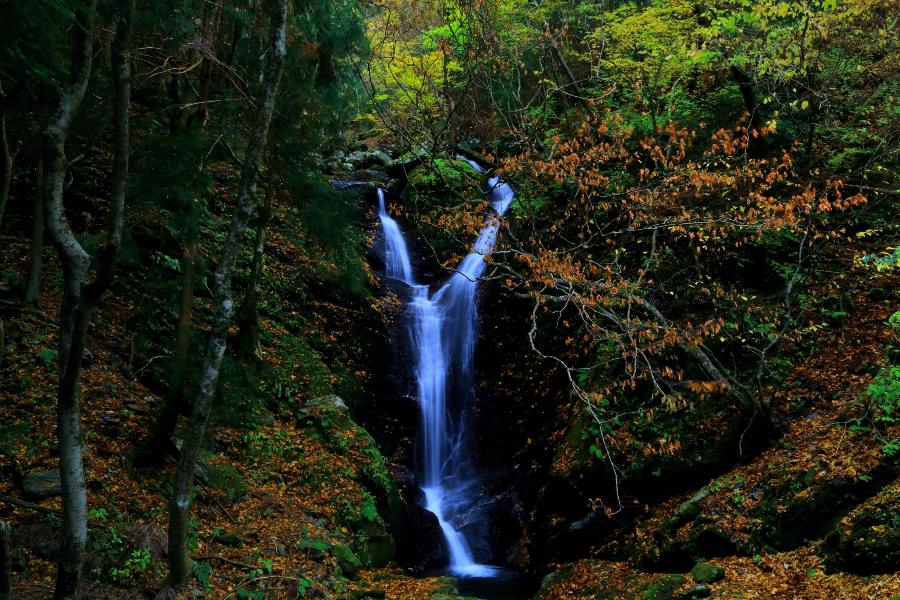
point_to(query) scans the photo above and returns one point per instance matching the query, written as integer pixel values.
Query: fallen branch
(44, 509)
(224, 560)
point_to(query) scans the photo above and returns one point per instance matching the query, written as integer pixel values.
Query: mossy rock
(867, 541)
(375, 551)
(662, 588)
(803, 509)
(448, 590)
(314, 548)
(695, 593)
(42, 484)
(445, 182)
(346, 560)
(707, 573)
(606, 583)
(222, 476)
(440, 190)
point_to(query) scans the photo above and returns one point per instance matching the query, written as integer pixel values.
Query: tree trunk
(248, 347)
(180, 504)
(35, 260)
(75, 263)
(5, 550)
(158, 444)
(79, 297)
(448, 98)
(6, 163)
(757, 146)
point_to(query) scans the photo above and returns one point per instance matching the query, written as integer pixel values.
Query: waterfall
(443, 330)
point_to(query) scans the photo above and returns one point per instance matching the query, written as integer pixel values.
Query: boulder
(42, 484)
(346, 560)
(707, 573)
(695, 592)
(221, 476)
(375, 551)
(417, 531)
(38, 537)
(867, 540)
(314, 548)
(148, 537)
(662, 588)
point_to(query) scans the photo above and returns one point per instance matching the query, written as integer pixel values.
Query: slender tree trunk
(5, 550)
(248, 347)
(448, 98)
(180, 504)
(158, 444)
(35, 260)
(186, 311)
(79, 297)
(6, 163)
(757, 146)
(75, 262)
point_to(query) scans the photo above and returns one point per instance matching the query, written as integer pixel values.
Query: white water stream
(443, 329)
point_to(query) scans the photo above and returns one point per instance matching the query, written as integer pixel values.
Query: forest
(450, 299)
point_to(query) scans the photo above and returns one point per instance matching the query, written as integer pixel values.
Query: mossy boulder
(443, 197)
(695, 593)
(222, 476)
(670, 546)
(348, 562)
(375, 551)
(707, 573)
(662, 588)
(802, 509)
(602, 580)
(42, 484)
(329, 418)
(867, 541)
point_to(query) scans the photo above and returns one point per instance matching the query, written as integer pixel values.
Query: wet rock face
(420, 544)
(493, 527)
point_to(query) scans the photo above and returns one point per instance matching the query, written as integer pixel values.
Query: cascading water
(443, 331)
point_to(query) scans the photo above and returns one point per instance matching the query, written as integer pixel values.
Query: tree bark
(248, 347)
(36, 253)
(75, 262)
(158, 444)
(757, 146)
(79, 297)
(180, 504)
(6, 161)
(5, 550)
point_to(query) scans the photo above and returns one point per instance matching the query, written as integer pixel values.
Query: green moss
(662, 588)
(707, 573)
(348, 562)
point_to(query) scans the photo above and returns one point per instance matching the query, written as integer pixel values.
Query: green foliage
(884, 392)
(203, 571)
(137, 563)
